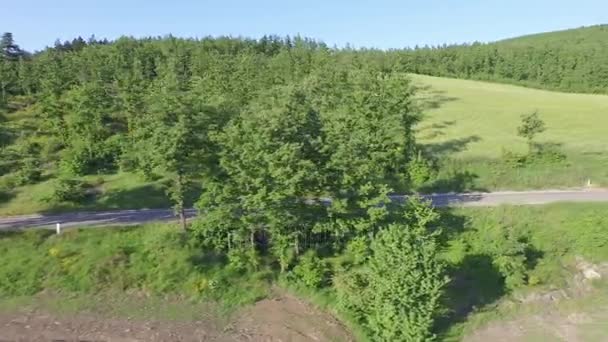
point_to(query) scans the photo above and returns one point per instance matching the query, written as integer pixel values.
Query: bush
(539, 154)
(82, 158)
(68, 190)
(357, 250)
(419, 171)
(547, 153)
(507, 247)
(512, 159)
(51, 147)
(29, 172)
(243, 259)
(396, 293)
(310, 270)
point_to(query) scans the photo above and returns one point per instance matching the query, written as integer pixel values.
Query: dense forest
(573, 60)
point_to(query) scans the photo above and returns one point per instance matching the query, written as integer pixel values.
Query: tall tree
(271, 160)
(172, 135)
(9, 49)
(531, 126)
(367, 120)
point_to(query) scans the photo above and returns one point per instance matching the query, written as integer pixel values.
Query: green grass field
(468, 124)
(487, 115)
(115, 191)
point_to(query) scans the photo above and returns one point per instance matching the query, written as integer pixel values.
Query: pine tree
(9, 49)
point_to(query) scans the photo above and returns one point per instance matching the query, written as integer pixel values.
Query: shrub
(512, 159)
(68, 190)
(357, 250)
(243, 259)
(351, 292)
(29, 172)
(508, 249)
(419, 170)
(51, 147)
(310, 271)
(547, 153)
(396, 293)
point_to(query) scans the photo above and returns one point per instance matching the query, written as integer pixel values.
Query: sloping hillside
(573, 60)
(487, 114)
(471, 128)
(588, 37)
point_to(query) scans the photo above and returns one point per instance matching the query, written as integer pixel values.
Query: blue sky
(380, 23)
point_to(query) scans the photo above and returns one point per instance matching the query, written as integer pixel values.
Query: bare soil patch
(287, 318)
(284, 318)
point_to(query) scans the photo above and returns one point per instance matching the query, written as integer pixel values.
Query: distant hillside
(574, 60)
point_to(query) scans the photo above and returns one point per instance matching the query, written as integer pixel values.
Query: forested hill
(574, 60)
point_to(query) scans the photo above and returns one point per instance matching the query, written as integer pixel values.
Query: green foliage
(531, 125)
(508, 250)
(512, 159)
(29, 172)
(357, 250)
(155, 260)
(270, 161)
(419, 171)
(396, 293)
(571, 60)
(310, 270)
(244, 259)
(68, 190)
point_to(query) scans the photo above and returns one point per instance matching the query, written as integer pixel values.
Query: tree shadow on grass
(435, 130)
(451, 224)
(459, 181)
(147, 196)
(429, 98)
(6, 196)
(476, 283)
(443, 148)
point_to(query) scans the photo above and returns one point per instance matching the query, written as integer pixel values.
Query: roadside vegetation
(494, 257)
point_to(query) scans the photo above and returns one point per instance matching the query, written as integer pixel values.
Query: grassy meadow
(482, 117)
(468, 124)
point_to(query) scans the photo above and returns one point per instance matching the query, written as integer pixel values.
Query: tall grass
(149, 260)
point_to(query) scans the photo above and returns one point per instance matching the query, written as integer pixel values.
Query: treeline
(571, 61)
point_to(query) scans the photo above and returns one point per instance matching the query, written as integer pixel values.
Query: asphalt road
(131, 217)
